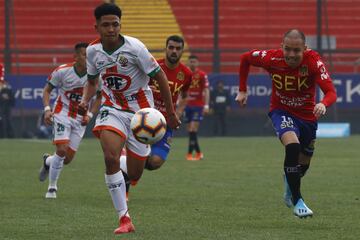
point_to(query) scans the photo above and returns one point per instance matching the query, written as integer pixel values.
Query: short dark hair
(296, 31)
(193, 57)
(80, 45)
(175, 38)
(107, 9)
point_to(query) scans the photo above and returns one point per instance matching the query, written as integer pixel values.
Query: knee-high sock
(291, 169)
(192, 142)
(116, 186)
(56, 165)
(197, 147)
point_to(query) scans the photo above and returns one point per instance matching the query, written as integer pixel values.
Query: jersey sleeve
(324, 81)
(257, 58)
(92, 72)
(55, 78)
(205, 81)
(147, 62)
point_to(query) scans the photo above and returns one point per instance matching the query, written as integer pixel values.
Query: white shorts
(119, 122)
(68, 130)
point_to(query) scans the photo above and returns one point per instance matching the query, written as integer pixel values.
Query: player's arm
(244, 69)
(95, 106)
(173, 120)
(89, 92)
(253, 58)
(183, 99)
(324, 81)
(46, 102)
(207, 100)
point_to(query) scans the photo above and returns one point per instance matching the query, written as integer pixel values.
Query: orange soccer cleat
(198, 156)
(125, 225)
(189, 157)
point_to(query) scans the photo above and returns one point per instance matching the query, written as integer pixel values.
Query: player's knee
(61, 151)
(67, 160)
(292, 152)
(153, 163)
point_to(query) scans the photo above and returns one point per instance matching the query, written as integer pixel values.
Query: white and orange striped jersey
(70, 85)
(125, 74)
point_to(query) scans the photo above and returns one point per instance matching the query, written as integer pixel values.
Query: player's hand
(173, 121)
(86, 119)
(241, 98)
(319, 110)
(48, 117)
(83, 108)
(206, 110)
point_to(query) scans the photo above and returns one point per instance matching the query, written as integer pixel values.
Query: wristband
(206, 106)
(90, 114)
(47, 108)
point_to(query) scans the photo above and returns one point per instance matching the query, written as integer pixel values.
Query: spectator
(7, 101)
(220, 104)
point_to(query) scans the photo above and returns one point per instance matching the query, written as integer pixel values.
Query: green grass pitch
(234, 193)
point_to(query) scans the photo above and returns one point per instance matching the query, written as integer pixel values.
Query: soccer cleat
(51, 193)
(125, 225)
(189, 157)
(287, 194)
(301, 210)
(44, 170)
(198, 156)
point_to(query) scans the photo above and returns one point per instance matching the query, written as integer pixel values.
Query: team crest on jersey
(304, 71)
(180, 76)
(123, 61)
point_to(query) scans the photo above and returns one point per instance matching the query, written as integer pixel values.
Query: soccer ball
(148, 125)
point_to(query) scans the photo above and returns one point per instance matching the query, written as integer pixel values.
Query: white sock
(56, 164)
(123, 164)
(117, 190)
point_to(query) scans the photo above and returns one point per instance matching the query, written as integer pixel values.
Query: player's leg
(76, 135)
(56, 164)
(62, 131)
(197, 117)
(191, 146)
(112, 128)
(287, 129)
(159, 151)
(111, 144)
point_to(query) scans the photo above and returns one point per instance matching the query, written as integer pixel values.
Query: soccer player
(295, 71)
(124, 66)
(197, 105)
(68, 125)
(179, 80)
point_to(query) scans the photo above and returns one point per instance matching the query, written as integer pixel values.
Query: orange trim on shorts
(61, 141)
(134, 155)
(96, 131)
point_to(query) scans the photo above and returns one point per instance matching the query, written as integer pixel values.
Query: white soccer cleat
(51, 193)
(301, 210)
(44, 170)
(287, 194)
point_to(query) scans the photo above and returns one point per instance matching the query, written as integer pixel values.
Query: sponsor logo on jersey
(180, 76)
(263, 54)
(304, 71)
(256, 53)
(123, 61)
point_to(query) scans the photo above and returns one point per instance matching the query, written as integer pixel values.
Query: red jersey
(2, 72)
(199, 82)
(179, 81)
(293, 89)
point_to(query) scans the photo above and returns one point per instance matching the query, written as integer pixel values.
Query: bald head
(294, 33)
